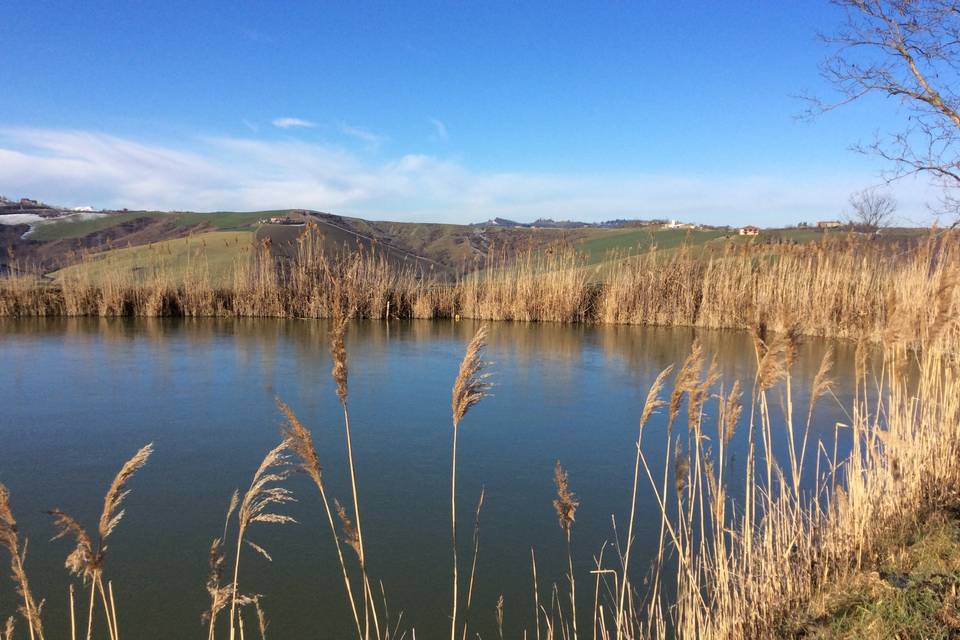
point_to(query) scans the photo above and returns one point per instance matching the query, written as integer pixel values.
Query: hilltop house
(278, 220)
(829, 224)
(749, 230)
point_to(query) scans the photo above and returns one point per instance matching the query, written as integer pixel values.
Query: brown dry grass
(840, 287)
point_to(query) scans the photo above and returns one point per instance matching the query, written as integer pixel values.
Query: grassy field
(77, 227)
(602, 242)
(225, 220)
(215, 251)
(910, 591)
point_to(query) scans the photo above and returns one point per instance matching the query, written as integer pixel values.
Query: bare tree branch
(907, 50)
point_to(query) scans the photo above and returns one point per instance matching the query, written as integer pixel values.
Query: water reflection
(81, 394)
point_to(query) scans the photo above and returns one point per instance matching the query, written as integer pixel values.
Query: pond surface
(79, 396)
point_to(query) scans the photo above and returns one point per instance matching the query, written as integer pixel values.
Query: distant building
(82, 209)
(27, 202)
(675, 224)
(829, 224)
(749, 230)
(278, 220)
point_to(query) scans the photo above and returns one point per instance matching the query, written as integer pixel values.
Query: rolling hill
(50, 240)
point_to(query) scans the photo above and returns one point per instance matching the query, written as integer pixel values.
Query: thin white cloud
(236, 173)
(439, 130)
(364, 135)
(288, 123)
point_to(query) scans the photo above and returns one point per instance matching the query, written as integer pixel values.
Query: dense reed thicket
(842, 287)
(726, 568)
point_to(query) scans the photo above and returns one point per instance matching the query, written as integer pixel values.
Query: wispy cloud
(288, 123)
(244, 173)
(364, 135)
(439, 130)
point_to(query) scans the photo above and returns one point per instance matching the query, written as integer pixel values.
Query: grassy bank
(909, 590)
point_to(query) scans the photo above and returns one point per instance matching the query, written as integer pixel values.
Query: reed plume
(822, 383)
(565, 505)
(262, 623)
(10, 540)
(468, 389)
(265, 494)
(219, 595)
(82, 562)
(732, 410)
(86, 561)
(773, 363)
(653, 401)
(471, 385)
(112, 513)
(566, 502)
(338, 353)
(350, 535)
(687, 378)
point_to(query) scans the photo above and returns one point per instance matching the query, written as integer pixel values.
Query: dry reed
(10, 540)
(847, 287)
(469, 388)
(86, 560)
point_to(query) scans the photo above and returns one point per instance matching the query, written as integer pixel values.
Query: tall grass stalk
(468, 389)
(10, 540)
(338, 353)
(86, 560)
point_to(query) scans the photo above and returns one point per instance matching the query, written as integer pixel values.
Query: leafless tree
(907, 50)
(871, 209)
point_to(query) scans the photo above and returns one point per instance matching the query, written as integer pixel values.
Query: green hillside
(215, 252)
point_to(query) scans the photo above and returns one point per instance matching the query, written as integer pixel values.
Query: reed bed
(847, 287)
(726, 567)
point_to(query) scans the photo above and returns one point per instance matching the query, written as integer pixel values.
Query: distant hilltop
(38, 208)
(549, 223)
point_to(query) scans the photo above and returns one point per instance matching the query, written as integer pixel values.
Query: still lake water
(79, 396)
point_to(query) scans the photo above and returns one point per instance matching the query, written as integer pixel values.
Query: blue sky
(433, 111)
